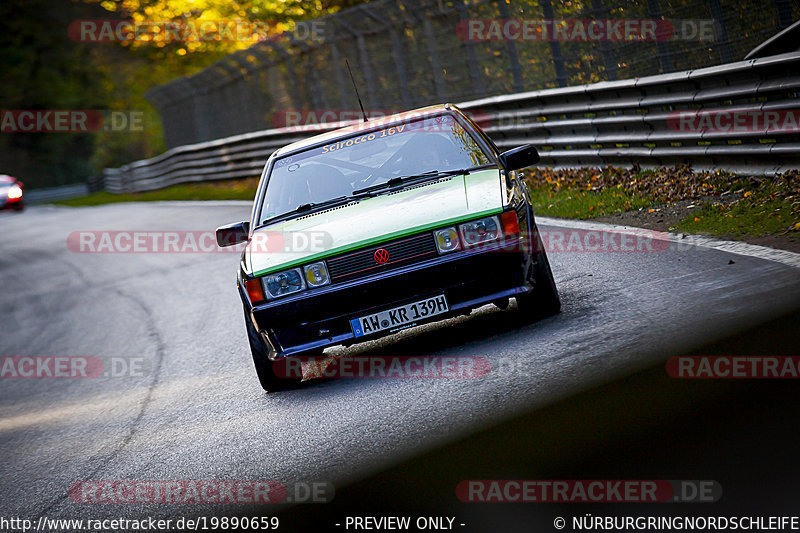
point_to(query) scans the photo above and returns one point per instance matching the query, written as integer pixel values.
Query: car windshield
(373, 157)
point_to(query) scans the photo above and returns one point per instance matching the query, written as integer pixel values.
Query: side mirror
(518, 158)
(233, 234)
(21, 185)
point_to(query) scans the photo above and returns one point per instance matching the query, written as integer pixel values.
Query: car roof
(361, 126)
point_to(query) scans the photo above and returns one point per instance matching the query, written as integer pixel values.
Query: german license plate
(399, 316)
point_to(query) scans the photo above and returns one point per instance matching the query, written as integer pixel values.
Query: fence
(409, 53)
(619, 123)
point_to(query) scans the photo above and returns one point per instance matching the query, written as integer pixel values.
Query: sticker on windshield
(365, 138)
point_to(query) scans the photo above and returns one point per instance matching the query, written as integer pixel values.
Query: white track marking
(735, 247)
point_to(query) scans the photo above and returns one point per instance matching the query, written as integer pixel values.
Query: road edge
(785, 257)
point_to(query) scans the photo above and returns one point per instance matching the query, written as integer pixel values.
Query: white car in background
(11, 193)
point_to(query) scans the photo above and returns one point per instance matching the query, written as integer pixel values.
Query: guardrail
(52, 194)
(609, 123)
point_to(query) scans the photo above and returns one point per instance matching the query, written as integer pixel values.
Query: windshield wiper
(430, 175)
(311, 205)
(341, 199)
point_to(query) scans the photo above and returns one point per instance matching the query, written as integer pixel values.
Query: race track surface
(198, 413)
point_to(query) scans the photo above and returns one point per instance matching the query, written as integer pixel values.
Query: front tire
(543, 300)
(265, 368)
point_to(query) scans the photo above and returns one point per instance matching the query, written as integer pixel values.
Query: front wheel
(265, 368)
(543, 300)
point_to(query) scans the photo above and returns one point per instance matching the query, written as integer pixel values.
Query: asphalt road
(198, 413)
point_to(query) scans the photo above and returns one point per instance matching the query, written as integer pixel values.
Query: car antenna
(356, 89)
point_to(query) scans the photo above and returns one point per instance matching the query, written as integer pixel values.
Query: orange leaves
(665, 185)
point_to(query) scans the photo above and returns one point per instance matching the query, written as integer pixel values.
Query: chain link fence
(409, 53)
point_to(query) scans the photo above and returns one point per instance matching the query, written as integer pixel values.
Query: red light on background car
(15, 192)
(510, 223)
(255, 291)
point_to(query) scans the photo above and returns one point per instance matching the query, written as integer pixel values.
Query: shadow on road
(741, 433)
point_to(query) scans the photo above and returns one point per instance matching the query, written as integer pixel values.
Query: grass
(243, 189)
(574, 203)
(729, 205)
(743, 219)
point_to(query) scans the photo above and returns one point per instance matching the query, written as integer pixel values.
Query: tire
(265, 371)
(543, 300)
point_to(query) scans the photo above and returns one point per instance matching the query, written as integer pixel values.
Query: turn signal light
(510, 223)
(255, 291)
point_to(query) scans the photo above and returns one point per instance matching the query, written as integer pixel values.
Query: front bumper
(320, 317)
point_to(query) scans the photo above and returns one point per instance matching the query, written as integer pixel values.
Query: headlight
(317, 274)
(446, 240)
(14, 192)
(283, 283)
(480, 231)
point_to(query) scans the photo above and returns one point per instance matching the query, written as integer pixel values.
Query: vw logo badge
(381, 256)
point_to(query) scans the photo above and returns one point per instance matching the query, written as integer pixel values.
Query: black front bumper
(320, 317)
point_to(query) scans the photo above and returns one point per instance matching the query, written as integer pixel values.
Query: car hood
(373, 220)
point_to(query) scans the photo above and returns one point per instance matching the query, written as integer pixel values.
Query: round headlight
(480, 231)
(446, 240)
(317, 274)
(283, 283)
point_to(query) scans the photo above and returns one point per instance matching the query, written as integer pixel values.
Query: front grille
(362, 263)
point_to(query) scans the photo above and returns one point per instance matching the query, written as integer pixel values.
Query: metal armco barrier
(638, 120)
(608, 123)
(52, 194)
